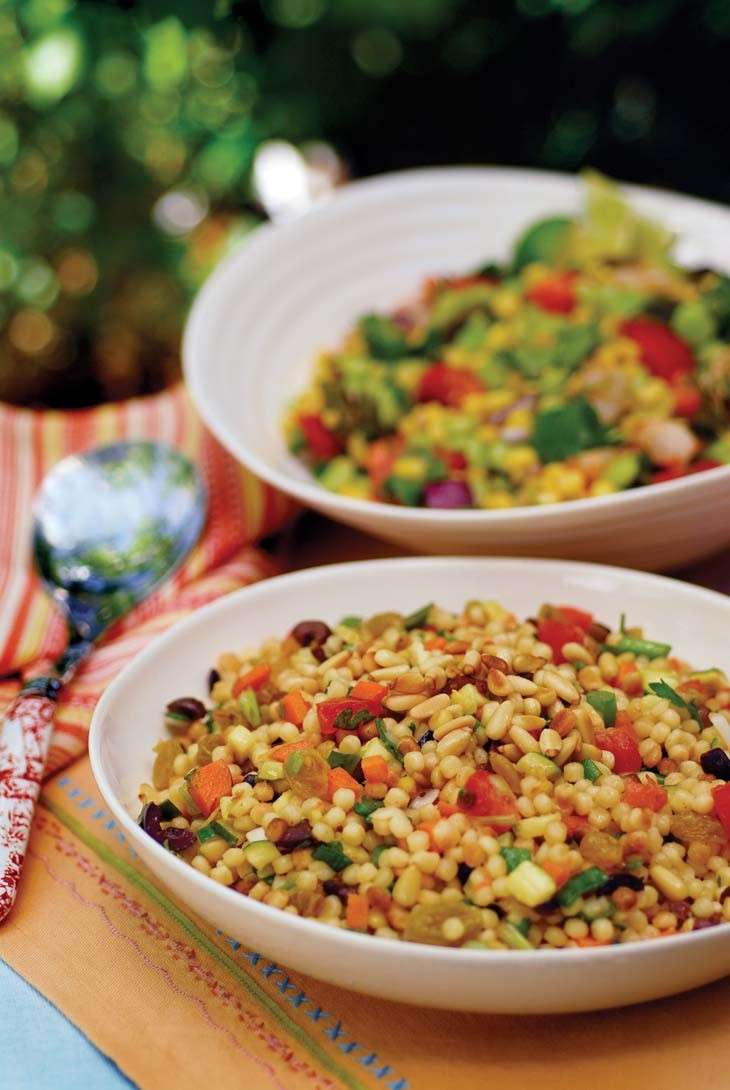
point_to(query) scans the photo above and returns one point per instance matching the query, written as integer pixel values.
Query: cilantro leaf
(662, 688)
(568, 429)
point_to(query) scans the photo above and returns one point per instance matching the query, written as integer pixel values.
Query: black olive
(462, 872)
(333, 886)
(716, 763)
(296, 836)
(213, 679)
(308, 632)
(631, 881)
(187, 707)
(150, 819)
(178, 840)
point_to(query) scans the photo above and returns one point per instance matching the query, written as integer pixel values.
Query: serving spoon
(110, 525)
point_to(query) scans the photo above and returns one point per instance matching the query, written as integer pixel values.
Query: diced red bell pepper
(671, 473)
(623, 745)
(687, 399)
(648, 795)
(448, 385)
(556, 633)
(721, 799)
(661, 351)
(480, 798)
(380, 457)
(329, 711)
(252, 679)
(322, 443)
(576, 824)
(555, 293)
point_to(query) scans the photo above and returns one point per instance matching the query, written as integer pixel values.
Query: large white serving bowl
(292, 290)
(128, 721)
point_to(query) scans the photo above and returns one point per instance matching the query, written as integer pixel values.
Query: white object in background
(292, 291)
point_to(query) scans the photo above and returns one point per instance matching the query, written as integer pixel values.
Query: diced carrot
(281, 752)
(295, 707)
(559, 872)
(589, 942)
(446, 809)
(208, 785)
(435, 643)
(368, 690)
(356, 914)
(375, 769)
(340, 777)
(626, 671)
(252, 679)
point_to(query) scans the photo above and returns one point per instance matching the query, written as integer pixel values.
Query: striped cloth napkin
(241, 510)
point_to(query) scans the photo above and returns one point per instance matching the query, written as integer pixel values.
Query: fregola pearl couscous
(465, 779)
(587, 364)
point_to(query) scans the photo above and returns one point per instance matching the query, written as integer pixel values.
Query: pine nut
(429, 707)
(455, 742)
(498, 683)
(453, 724)
(522, 685)
(568, 748)
(550, 742)
(527, 664)
(563, 688)
(523, 740)
(529, 722)
(504, 768)
(496, 726)
(403, 703)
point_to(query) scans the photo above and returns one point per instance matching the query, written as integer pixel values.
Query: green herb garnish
(351, 719)
(567, 430)
(367, 807)
(591, 770)
(333, 855)
(418, 618)
(348, 761)
(663, 689)
(604, 703)
(514, 856)
(387, 741)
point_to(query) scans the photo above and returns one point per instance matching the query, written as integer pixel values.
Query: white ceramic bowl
(128, 721)
(290, 291)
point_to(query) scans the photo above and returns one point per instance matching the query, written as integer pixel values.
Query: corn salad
(464, 779)
(588, 364)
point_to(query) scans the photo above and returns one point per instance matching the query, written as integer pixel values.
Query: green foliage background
(104, 108)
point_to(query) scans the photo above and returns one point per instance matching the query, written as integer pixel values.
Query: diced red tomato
(482, 799)
(581, 617)
(329, 710)
(448, 385)
(556, 633)
(687, 399)
(671, 473)
(649, 795)
(661, 351)
(454, 459)
(721, 799)
(622, 743)
(555, 293)
(322, 443)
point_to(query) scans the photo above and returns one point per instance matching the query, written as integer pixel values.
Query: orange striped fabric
(241, 510)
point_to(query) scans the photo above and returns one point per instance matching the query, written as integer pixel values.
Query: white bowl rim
(311, 929)
(308, 492)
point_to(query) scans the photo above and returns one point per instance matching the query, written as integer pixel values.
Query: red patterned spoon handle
(24, 738)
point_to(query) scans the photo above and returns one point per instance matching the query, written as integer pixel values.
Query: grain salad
(588, 363)
(458, 778)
